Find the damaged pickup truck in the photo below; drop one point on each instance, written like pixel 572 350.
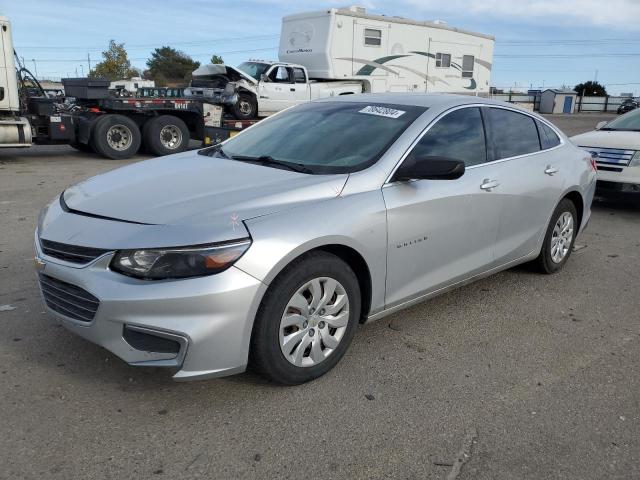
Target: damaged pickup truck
pixel 264 88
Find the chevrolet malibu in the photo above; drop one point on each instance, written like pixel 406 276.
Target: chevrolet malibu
pixel 268 249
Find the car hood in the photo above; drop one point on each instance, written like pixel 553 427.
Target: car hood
pixel 608 139
pixel 197 190
pixel 233 73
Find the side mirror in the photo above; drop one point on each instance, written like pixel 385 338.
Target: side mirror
pixel 429 168
pixel 601 125
pixel 264 78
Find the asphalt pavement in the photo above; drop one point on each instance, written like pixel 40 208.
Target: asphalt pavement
pixel 517 376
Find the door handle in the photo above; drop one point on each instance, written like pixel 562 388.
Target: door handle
pixel 550 170
pixel 292 89
pixel 489 184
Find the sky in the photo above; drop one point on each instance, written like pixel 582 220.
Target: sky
pixel 539 43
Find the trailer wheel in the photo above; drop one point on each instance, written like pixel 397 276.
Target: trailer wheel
pixel 246 107
pixel 116 137
pixel 165 135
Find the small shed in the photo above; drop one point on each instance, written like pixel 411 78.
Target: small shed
pixel 558 101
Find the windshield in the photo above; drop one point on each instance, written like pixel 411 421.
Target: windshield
pixel 629 122
pixel 324 137
pixel 254 69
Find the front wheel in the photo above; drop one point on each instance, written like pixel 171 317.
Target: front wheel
pixel 559 239
pixel 246 107
pixel 306 321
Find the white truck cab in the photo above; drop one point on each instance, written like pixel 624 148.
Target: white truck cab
pixel 265 88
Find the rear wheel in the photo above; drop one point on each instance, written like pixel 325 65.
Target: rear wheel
pixel 306 321
pixel 559 239
pixel 165 135
pixel 116 137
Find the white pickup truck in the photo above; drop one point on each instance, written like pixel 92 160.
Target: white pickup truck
pixel 265 88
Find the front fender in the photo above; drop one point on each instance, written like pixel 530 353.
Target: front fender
pixel 357 221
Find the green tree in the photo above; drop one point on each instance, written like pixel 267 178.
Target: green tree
pixel 591 89
pixel 216 59
pixel 170 64
pixel 115 64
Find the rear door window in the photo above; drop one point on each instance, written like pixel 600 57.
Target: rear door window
pixel 299 75
pixel 458 135
pixel 511 133
pixel 548 138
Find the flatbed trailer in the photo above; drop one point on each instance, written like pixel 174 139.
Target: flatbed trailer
pixel 118 127
pixel 91 118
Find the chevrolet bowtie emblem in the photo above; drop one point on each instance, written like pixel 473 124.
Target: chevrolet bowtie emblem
pixel 39 263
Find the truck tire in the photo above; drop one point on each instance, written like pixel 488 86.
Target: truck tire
pixel 116 137
pixel 165 135
pixel 246 107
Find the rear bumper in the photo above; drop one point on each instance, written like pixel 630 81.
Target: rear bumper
pixel 208 318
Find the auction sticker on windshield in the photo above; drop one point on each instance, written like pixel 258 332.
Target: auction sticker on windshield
pixel 382 111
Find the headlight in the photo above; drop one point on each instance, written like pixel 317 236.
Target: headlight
pixel 635 160
pixel 181 262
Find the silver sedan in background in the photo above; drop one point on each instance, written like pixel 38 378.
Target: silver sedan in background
pixel 267 250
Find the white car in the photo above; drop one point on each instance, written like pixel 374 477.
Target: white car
pixel 617 145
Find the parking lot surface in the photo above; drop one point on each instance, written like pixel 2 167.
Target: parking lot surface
pixel 518 376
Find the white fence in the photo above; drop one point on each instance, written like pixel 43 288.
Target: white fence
pixel 599 104
pixel 583 104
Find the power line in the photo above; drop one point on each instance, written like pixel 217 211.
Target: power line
pixel 229 52
pixel 567 55
pixel 154 45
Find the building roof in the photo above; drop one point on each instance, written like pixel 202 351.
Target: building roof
pixel 562 92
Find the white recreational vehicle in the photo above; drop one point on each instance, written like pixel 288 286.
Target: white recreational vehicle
pixel 388 54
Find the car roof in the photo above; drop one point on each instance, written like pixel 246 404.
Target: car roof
pixel 429 100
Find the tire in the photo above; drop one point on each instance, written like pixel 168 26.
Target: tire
pixel 116 137
pixel 551 260
pixel 82 147
pixel 245 108
pixel 267 350
pixel 165 135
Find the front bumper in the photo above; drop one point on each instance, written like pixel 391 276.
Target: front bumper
pixel 630 175
pixel 209 317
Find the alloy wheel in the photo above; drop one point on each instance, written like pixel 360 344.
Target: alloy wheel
pixel 561 237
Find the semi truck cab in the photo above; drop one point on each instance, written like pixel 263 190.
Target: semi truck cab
pixel 15 131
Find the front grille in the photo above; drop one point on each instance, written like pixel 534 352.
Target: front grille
pixel 609 169
pixel 612 156
pixel 68 300
pixel 70 253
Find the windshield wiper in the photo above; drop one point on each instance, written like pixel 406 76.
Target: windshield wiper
pixel 269 160
pixel 211 151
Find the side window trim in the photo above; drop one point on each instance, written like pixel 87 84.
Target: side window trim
pixel 490 160
pixel 540 134
pixel 488 145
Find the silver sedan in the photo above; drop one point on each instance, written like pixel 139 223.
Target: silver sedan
pixel 268 250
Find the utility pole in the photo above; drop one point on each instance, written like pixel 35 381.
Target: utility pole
pixel 81 70
pixel 35 67
pixel 89 61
